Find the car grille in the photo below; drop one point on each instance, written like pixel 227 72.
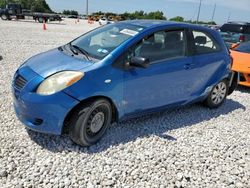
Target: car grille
pixel 19 82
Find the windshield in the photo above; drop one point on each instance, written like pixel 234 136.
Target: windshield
pixel 102 41
pixel 244 47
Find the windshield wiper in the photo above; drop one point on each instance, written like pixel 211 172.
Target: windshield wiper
pixel 73 50
pixel 82 51
pixel 60 48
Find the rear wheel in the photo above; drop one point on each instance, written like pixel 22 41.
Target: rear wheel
pixel 90 122
pixel 218 95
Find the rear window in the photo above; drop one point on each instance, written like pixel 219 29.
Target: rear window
pixel 235 28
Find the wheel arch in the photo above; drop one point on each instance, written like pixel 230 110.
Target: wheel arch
pixel 67 120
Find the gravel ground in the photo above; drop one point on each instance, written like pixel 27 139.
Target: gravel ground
pixel 186 147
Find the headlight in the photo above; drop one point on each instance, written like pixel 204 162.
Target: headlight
pixel 58 82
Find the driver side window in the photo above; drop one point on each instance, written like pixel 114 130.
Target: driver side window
pixel 159 46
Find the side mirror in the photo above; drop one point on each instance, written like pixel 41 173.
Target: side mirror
pixel 140 62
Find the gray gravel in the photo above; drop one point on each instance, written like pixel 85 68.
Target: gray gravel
pixel 186 147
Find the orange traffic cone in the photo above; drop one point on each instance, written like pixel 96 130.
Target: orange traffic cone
pixel 44 25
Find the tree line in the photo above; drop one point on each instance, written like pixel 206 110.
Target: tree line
pixel 158 15
pixel 181 19
pixel 70 12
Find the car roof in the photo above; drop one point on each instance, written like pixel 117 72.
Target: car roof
pixel 239 23
pixel 157 23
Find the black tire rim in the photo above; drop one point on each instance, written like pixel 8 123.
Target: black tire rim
pixel 97 120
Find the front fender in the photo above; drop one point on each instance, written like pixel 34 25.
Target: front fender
pixel 103 81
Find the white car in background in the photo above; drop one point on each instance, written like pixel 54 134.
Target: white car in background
pixel 105 21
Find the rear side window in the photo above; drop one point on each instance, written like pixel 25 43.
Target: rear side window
pixel 204 43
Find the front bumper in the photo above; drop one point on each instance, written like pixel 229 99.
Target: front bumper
pixel 244 70
pixel 44 114
pixel 245 79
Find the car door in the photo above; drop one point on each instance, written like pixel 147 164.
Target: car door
pixel 209 59
pixel 166 80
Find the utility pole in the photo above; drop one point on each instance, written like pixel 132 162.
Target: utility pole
pixel 229 15
pixel 213 13
pixel 198 16
pixel 87 8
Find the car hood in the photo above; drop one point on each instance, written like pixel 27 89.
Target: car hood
pixel 48 63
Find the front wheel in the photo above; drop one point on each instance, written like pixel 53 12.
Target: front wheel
pixel 40 20
pixel 4 17
pixel 218 95
pixel 90 122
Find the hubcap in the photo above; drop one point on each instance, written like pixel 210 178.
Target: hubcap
pixel 219 93
pixel 97 122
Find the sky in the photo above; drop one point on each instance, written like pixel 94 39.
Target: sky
pixel 235 10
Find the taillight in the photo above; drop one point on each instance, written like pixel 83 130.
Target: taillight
pixel 242 38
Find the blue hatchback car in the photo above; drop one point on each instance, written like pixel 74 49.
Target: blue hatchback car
pixel 120 71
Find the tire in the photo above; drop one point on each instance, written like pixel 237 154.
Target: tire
pixel 217 95
pixel 89 122
pixel 40 20
pixel 4 17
